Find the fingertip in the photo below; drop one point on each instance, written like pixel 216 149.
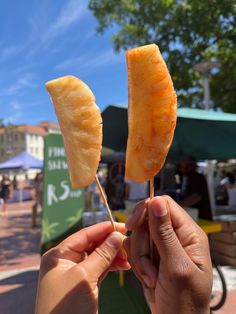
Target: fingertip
pixel 115 240
pixel 137 217
pixel 158 206
pixel 120 227
pixel 128 224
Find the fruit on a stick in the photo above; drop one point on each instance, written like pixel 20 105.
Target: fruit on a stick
pixel 81 126
pixel 151 113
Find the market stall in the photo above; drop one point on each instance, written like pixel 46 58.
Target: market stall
pixel 20 165
pixel 206 135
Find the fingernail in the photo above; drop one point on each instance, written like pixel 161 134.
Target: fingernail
pixel 158 207
pixel 115 240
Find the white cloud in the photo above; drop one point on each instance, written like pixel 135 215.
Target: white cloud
pixel 15 105
pixel 90 34
pixel 69 14
pixel 90 61
pixel 14 118
pixel 17 108
pixel 16 112
pixel 44 32
pixel 10 51
pixel 23 82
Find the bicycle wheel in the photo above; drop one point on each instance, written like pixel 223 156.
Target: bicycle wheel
pixel 219 293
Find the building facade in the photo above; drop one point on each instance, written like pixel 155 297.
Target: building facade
pixel 29 138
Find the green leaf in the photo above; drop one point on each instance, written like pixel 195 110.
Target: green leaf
pixel 187 32
pixel 72 220
pixel 48 229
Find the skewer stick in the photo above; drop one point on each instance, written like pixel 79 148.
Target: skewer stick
pixel 105 202
pixel 151 196
pixel 151 187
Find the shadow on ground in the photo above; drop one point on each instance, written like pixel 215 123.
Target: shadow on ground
pixel 20 300
pixel 20 243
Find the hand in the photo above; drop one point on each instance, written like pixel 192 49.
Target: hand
pixel 178 278
pixel 70 273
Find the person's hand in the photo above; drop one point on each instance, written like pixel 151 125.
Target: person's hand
pixel 70 273
pixel 178 278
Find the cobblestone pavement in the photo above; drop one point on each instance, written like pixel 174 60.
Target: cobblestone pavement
pixel 19 264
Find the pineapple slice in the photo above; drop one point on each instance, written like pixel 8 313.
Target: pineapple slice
pixel 151 113
pixel 81 126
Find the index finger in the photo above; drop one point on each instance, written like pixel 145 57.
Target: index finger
pixel 82 240
pixel 138 216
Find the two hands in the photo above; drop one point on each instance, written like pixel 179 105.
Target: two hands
pixel 177 279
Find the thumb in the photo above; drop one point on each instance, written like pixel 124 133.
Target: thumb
pixel 102 257
pixel 161 230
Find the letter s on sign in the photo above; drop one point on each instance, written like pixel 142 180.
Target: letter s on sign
pixel 66 192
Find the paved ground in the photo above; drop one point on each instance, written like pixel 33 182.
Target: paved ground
pixel 19 260
pixel 19 264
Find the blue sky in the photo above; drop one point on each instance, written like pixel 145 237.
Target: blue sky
pixel 42 40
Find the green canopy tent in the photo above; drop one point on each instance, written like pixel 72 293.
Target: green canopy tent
pixel 115 128
pixel 206 135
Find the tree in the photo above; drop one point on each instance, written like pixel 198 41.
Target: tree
pixel 2 125
pixel 187 32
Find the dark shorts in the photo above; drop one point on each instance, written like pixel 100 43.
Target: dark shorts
pixel 5 195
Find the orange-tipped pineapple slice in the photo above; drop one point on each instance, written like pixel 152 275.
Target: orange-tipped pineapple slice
pixel 151 113
pixel 81 126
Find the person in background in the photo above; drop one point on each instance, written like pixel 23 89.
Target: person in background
pixel 101 178
pixel 115 189
pixel 224 179
pixel 38 184
pixel 15 183
pixel 175 281
pixel 115 185
pixel 194 189
pixel 5 193
pixel 231 189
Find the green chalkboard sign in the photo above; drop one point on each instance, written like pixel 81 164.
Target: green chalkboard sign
pixel 62 205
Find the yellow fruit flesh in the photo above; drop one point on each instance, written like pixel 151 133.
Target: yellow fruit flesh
pixel 81 126
pixel 151 113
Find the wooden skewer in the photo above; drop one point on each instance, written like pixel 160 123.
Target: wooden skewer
pixel 151 196
pixel 151 187
pixel 105 202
